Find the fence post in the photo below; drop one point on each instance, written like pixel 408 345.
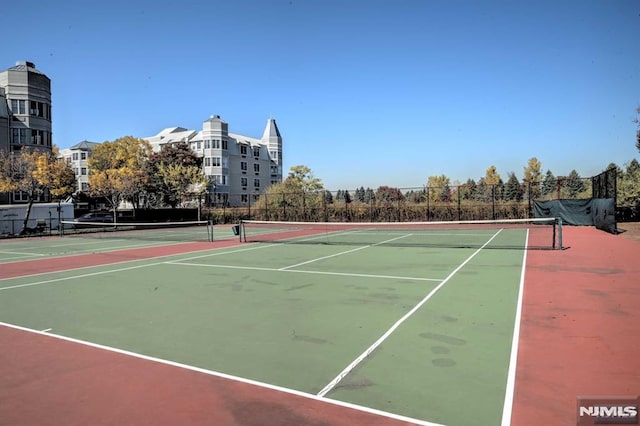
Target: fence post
pixel 529 199
pixel 493 202
pixel 459 210
pixel 428 203
pixel 284 207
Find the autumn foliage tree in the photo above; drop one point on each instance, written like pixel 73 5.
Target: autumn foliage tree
pixel 35 174
pixel 117 169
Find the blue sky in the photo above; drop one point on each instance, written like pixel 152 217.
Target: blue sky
pixel 365 93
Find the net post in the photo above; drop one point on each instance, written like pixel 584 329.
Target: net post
pixel 559 233
pixel 210 230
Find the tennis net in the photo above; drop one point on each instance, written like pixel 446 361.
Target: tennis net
pixel 187 231
pixel 544 233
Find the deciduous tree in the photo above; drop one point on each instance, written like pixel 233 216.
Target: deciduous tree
pixel 32 173
pixel 173 173
pixel 533 176
pixel 117 169
pixel 439 188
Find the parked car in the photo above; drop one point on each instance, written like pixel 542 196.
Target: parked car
pixel 94 217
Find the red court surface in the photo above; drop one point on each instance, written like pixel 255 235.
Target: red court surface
pixel 580 326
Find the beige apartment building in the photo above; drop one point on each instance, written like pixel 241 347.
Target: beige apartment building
pixel 240 167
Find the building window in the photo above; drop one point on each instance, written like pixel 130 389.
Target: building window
pixel 33 108
pixel 256 183
pixel 243 149
pixel 38 137
pixel 244 198
pixel 84 186
pixel 243 181
pixel 256 151
pixel 75 156
pixel 199 145
pixel 215 161
pixel 224 144
pixel 20 196
pixel 256 168
pixel 243 165
pixel 83 155
pixel 19 136
pixel 220 179
pixel 18 107
pixel 207 161
pixel 83 171
pixel 215 144
pixel 207 144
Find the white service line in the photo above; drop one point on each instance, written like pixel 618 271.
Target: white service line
pixel 226 376
pixel 346 274
pixel 344 252
pixel 21 254
pixel 382 338
pixel 211 252
pixel 513 360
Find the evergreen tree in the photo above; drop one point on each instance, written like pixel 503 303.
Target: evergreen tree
pixel 369 196
pixel 513 189
pixel 574 184
pixel 549 184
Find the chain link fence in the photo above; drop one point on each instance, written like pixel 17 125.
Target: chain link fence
pixel 462 202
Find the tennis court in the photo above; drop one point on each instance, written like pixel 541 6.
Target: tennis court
pixel 397 323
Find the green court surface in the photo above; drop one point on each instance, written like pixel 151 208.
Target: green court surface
pixel 438 322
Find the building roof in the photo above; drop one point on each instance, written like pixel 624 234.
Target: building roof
pixel 84 146
pixel 245 139
pixel 271 129
pixel 25 66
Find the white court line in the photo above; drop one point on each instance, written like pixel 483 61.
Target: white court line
pixel 21 254
pixel 513 359
pixel 216 251
pixel 382 338
pixel 46 330
pixel 225 376
pixel 346 274
pixel 343 252
pixel 120 269
pixel 92 274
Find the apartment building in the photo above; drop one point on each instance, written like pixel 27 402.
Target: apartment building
pixel 240 167
pixel 76 157
pixel 25 113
